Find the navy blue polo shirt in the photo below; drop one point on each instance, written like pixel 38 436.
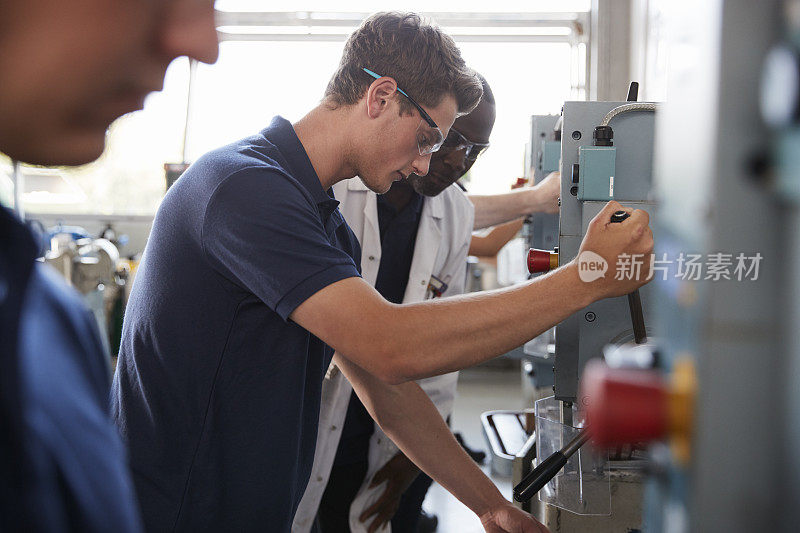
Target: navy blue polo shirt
pixel 74 468
pixel 217 392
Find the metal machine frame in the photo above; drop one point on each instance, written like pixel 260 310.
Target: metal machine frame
pixel 583 335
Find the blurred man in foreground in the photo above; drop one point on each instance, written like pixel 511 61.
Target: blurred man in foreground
pixel 69 69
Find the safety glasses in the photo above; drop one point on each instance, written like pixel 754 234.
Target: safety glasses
pixel 429 136
pixel 456 141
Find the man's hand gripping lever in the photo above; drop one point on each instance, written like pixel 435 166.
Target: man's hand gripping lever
pixel 618 238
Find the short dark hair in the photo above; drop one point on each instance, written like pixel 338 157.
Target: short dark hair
pixel 488 95
pixel 422 59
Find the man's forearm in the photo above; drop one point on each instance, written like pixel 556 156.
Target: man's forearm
pixel 406 414
pixel 494 209
pixel 491 244
pixel 400 343
pixel 433 338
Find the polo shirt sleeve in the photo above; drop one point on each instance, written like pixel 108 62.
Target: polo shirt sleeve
pixel 264 234
pixel 66 384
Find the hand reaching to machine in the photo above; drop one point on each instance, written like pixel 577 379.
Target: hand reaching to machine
pixel 509 519
pixel 548 191
pixel 398 474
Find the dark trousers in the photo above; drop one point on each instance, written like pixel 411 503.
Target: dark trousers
pixel 407 516
pixel 334 508
pixel 343 485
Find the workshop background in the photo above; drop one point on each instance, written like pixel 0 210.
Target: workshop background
pixel 712 159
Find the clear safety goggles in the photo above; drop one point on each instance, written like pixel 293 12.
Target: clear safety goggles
pixel 456 141
pixel 429 136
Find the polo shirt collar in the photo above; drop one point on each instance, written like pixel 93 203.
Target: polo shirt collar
pixel 18 250
pixel 281 133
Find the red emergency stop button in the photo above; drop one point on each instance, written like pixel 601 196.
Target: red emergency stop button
pixel 625 406
pixel 628 406
pixel 541 261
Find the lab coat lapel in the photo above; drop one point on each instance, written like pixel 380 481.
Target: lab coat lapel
pixel 429 236
pixel 362 207
pixel 371 247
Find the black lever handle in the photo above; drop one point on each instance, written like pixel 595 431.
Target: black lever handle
pixel 547 469
pixel 634 300
pixel 633 91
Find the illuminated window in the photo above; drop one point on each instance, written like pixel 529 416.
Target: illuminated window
pixel 279 63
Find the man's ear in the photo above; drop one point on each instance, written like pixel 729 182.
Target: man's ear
pixel 379 95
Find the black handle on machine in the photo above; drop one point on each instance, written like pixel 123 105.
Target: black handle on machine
pixel 633 91
pixel 634 300
pixel 547 469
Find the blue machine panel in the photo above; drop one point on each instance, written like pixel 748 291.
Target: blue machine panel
pixel 597 169
pixel 551 156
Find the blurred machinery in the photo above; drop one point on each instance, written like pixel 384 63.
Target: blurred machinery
pixel 93 267
pixel 717 195
pixel 723 453
pixel 87 264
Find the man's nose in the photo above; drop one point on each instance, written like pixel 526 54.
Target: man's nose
pixel 189 29
pixel 421 165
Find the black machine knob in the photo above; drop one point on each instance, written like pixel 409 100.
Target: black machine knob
pixel 619 216
pixel 633 91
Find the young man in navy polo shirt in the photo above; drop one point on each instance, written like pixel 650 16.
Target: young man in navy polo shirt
pixel 249 282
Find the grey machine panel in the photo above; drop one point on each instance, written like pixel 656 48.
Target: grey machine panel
pixel 541 230
pixel 543 159
pixel 583 335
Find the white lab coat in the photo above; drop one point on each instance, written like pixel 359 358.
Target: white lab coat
pixel 443 238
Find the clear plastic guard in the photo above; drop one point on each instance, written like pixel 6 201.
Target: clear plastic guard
pixel 583 486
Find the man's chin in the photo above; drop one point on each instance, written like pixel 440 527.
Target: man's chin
pixel 63 150
pixel 376 187
pixel 424 186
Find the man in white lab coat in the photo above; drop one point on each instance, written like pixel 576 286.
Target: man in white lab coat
pixel 414 242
